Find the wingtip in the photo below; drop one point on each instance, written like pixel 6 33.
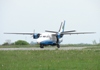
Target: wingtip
pixel 4 33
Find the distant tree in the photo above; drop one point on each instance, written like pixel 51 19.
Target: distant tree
pixel 32 43
pixel 5 43
pixel 12 44
pixel 21 42
pixel 8 41
pixel 94 42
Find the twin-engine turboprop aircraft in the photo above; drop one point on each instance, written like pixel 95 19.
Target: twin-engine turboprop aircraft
pixel 52 37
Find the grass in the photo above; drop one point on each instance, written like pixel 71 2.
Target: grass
pixel 50 60
pixel 94 47
pixel 37 45
pixel 19 46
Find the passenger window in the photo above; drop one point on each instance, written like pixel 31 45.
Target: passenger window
pixel 44 36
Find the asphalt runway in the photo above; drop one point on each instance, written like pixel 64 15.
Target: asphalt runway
pixel 49 48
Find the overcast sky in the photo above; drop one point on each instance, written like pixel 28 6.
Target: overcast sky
pixel 41 15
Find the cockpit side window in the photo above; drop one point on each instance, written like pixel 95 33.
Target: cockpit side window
pixel 44 36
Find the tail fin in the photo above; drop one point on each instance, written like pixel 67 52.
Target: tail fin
pixel 62 26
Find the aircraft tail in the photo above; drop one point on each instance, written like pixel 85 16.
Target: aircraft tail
pixel 62 26
pixel 61 29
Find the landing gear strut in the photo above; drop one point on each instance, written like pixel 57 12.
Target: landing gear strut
pixel 58 45
pixel 57 42
pixel 41 46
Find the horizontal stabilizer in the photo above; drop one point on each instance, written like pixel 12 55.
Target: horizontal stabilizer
pixel 68 31
pixel 57 32
pixel 51 31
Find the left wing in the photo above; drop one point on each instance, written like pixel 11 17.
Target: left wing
pixel 70 33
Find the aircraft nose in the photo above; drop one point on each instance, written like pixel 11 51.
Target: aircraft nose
pixel 38 42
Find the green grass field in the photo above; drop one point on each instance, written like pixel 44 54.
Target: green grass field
pixel 50 60
pixel 37 45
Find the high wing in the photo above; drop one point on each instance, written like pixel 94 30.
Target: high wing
pixel 21 33
pixel 68 33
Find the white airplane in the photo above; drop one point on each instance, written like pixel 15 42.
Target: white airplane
pixel 52 37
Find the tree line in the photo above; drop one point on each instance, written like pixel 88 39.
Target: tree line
pixel 23 42
pixel 19 42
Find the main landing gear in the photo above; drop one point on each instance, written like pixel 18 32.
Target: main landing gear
pixel 58 46
pixel 41 46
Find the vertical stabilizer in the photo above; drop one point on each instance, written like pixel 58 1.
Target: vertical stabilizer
pixel 62 26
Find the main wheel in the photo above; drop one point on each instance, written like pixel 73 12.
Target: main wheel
pixel 41 46
pixel 58 45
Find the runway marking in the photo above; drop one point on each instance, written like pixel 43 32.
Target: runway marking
pixel 53 48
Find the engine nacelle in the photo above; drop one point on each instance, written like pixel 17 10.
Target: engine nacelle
pixel 59 36
pixel 36 35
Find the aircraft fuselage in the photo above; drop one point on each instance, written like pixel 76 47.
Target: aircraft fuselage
pixel 47 39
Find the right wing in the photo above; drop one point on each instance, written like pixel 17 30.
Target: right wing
pixel 21 33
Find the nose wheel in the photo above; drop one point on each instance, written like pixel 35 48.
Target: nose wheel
pixel 41 46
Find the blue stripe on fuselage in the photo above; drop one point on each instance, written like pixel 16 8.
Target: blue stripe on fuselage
pixel 47 42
